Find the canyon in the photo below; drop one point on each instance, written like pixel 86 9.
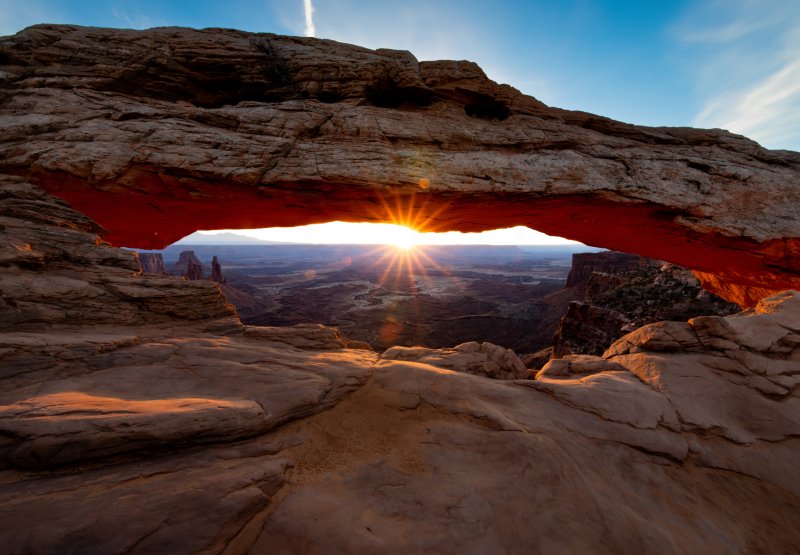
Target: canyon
pixel 433 296
pixel 138 414
pixel 440 296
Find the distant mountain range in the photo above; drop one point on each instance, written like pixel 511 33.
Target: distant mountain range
pixel 224 239
pixel 237 239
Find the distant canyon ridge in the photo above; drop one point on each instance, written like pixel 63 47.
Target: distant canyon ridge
pixel 542 302
pixel 237 130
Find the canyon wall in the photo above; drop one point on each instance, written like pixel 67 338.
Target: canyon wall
pixel 618 293
pixel 153 263
pixel 584 264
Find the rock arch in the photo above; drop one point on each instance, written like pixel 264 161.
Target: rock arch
pixel 156 133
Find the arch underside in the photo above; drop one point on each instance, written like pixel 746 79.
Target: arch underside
pixel 731 267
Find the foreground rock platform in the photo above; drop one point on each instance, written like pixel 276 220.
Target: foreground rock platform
pixel 236 130
pixel 137 415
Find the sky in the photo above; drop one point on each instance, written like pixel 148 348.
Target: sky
pixel 731 64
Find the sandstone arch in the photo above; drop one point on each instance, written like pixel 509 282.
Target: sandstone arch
pixel 155 133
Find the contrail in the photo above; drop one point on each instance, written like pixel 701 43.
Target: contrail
pixel 309 9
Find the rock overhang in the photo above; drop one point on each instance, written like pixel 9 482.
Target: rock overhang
pixel 151 132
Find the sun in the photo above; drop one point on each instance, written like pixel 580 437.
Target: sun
pixel 402 262
pixel 404 238
pixel 405 245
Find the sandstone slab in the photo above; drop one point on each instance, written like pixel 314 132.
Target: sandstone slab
pixel 483 359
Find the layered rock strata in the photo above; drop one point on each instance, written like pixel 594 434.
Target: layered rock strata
pixel 216 271
pixel 585 264
pixel 153 263
pixel 57 274
pixel 237 129
pixel 188 265
pixel 619 303
pixel 137 415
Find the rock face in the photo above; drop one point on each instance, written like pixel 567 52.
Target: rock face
pixel 45 245
pixel 482 359
pixel 216 271
pixel 194 271
pixel 137 415
pixel 153 263
pixel 584 264
pixel 586 328
pixel 618 303
pixel 236 129
pixel 189 266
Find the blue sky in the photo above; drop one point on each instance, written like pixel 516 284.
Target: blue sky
pixel 733 64
pixel 713 63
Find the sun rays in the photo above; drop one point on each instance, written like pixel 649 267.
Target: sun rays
pixel 405 243
pixel 405 238
pixel 405 259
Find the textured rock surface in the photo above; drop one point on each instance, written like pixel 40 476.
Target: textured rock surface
pixel 576 365
pixel 482 359
pixel 586 328
pixel 619 303
pixel 188 265
pixel 57 273
pixel 194 271
pixel 178 430
pixel 216 271
pixel 153 263
pixel 227 129
pixel 584 264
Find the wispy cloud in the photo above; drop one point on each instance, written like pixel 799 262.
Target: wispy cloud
pixel 748 68
pixel 768 111
pixel 123 17
pixel 135 21
pixel 308 9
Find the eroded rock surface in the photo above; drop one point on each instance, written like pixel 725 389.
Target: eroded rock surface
pixel 147 423
pixel 189 266
pixel 153 263
pixel 585 264
pixel 227 129
pixel 58 274
pixel 617 303
pixel 216 271
pixel 483 359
